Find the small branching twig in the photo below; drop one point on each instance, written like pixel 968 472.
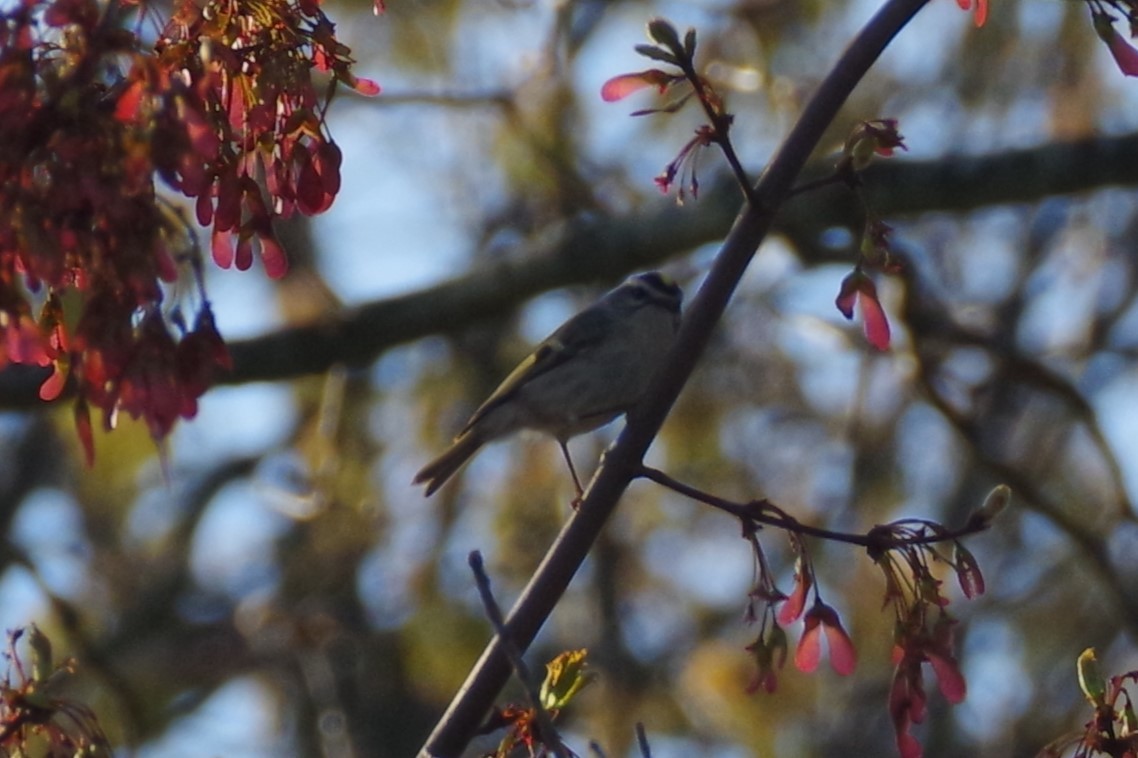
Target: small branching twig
pixel 710 100
pixel 904 551
pixel 670 50
pixel 758 513
pixel 642 741
pixel 547 731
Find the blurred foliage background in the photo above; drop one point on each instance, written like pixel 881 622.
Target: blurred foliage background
pixel 283 590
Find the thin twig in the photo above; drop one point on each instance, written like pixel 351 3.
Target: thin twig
pixel 766 513
pixel 549 735
pixel 642 741
pixel 721 123
pixel 1091 545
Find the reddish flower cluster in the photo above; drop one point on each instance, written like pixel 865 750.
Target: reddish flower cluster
pixel 868 139
pixel 669 49
pixel 907 698
pixel 769 650
pixel 565 676
pixel 247 91
pixel 86 243
pixel 1122 51
pixel 905 552
pixel 923 630
pixel 1113 729
pixel 857 287
pixel 821 620
pixel 685 164
pixel 1125 55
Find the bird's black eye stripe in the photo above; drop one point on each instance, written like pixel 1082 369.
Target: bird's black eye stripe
pixel 659 288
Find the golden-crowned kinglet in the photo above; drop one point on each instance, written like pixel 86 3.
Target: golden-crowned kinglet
pixel 593 368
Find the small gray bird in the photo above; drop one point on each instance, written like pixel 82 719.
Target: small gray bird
pixel 595 367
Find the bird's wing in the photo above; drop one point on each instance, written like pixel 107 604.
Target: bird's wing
pixel 574 336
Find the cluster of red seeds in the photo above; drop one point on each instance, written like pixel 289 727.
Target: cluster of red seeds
pixel 222 109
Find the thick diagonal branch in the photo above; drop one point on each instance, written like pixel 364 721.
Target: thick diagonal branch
pixel 622 462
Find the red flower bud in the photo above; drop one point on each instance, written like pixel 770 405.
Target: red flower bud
pixel 822 619
pixel 859 288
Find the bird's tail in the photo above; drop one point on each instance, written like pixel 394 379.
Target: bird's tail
pixel 435 473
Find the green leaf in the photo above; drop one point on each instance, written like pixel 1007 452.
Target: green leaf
pixel 1090 678
pixel 565 676
pixel 995 503
pixel 41 654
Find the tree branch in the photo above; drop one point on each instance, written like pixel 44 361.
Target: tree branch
pixel 758 513
pixel 604 249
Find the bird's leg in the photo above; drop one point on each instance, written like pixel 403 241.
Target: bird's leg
pixel 572 470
